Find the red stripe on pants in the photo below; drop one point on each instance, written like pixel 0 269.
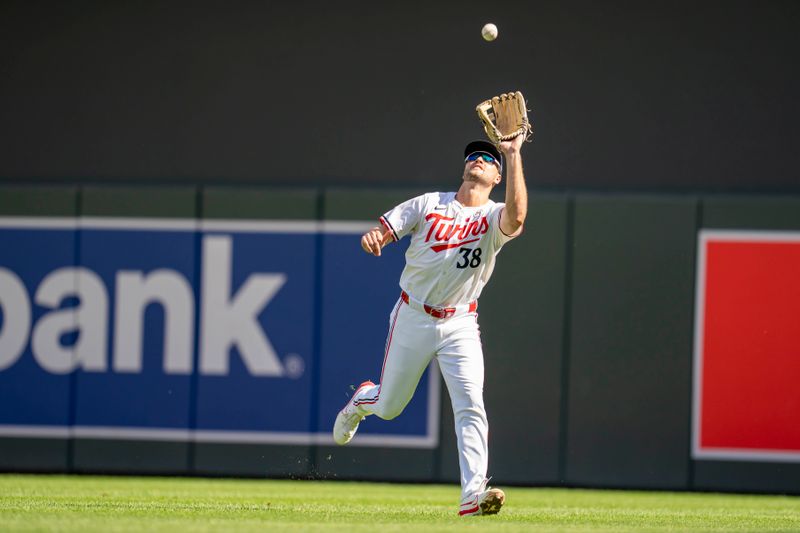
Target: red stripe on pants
pixel 389 343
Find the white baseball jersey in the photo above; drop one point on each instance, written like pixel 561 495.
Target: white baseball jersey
pixel 453 247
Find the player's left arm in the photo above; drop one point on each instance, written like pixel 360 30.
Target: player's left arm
pixel 516 209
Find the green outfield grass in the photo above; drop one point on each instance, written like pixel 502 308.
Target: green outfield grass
pixel 178 505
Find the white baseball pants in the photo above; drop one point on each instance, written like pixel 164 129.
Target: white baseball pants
pixel 414 339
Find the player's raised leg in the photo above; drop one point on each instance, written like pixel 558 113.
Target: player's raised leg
pixel 410 346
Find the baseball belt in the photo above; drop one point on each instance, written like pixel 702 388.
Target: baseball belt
pixel 439 312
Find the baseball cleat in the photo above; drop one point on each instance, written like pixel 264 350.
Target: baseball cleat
pixel 487 502
pixel 348 419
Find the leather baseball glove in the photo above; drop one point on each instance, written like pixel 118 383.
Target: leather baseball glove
pixel 504 117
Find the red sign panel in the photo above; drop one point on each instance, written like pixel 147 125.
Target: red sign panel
pixel 746 402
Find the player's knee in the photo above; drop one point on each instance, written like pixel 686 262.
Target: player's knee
pixel 475 413
pixel 389 411
pixel 391 415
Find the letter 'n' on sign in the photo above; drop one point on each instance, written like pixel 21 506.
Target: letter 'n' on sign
pixel 135 290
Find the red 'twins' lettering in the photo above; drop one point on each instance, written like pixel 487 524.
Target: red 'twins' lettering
pixel 444 229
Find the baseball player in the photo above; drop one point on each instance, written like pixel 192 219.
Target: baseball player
pixel 455 237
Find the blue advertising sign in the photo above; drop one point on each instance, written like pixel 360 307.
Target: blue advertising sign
pixel 359 293
pixel 142 377
pixel 35 360
pixel 264 384
pixel 213 330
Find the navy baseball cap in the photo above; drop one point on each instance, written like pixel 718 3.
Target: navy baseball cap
pixel 484 146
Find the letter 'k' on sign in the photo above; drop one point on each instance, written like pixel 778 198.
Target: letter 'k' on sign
pixel 232 320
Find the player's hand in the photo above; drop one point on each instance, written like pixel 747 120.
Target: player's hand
pixel 373 241
pixel 512 146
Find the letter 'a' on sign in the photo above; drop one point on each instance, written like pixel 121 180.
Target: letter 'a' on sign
pixel 746 402
pixel 89 318
pixel 16 322
pixel 228 320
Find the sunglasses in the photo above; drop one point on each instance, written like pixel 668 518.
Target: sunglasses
pixel 484 156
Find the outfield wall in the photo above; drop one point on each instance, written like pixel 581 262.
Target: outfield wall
pixel 643 341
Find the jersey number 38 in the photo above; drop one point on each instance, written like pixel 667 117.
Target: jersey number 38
pixel 470 257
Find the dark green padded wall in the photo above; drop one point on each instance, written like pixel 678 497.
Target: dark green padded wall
pixel 255 459
pixel 54 201
pixel 156 202
pixel 144 456
pixel 630 342
pixel 23 454
pixel 364 204
pixel 627 355
pixel 29 454
pixel 130 456
pixel 750 213
pixel 260 203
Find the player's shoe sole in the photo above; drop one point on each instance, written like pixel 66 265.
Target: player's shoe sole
pixel 494 500
pixel 488 502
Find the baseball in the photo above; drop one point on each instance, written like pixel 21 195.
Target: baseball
pixel 489 32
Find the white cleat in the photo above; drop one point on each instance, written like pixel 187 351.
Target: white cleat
pixel 348 419
pixel 487 502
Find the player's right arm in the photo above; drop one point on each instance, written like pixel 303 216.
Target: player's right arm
pixel 516 207
pixel 375 239
pixel 397 223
